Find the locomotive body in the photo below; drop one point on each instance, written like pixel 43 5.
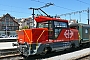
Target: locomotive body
pixel 51 34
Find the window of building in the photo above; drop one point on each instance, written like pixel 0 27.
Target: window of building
pixel 7 23
pixel 10 28
pixel 15 28
pixel 11 23
pixel 7 19
pixel 3 23
pixel 3 28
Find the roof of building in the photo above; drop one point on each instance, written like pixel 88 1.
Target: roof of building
pixel 10 17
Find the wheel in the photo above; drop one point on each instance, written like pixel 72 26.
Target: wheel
pixel 45 50
pixel 72 45
pixel 24 57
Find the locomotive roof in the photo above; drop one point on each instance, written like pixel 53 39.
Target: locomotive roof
pixel 45 18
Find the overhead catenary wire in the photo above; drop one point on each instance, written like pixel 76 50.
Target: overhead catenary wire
pixel 43 3
pixel 73 12
pixel 12 6
pixel 14 11
pixel 17 12
pixel 67 9
pixel 63 8
pixel 53 5
pixel 26 8
pixel 83 2
pixel 87 10
pixel 39 12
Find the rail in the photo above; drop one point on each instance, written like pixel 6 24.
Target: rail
pixel 6 47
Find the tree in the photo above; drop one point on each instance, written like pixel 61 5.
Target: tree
pixel 25 27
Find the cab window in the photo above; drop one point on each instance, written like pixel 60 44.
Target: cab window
pixel 60 24
pixel 58 27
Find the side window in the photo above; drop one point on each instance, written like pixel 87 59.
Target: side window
pixel 57 32
pixel 43 25
pixel 58 27
pixel 86 31
pixel 63 24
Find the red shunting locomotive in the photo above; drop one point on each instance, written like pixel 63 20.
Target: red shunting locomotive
pixel 50 34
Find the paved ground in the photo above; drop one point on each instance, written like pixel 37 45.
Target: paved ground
pixel 7 45
pixel 71 56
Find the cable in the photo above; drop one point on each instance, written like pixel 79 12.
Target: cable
pixel 19 15
pixel 14 11
pixel 38 1
pixel 12 6
pixel 54 5
pixel 73 13
pixel 64 7
pixel 39 12
pixel 83 2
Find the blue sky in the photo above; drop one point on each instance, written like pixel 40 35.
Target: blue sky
pixel 19 8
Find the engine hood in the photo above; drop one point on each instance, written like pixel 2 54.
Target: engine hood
pixel 36 35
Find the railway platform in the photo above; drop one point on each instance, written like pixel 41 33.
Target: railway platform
pixel 71 56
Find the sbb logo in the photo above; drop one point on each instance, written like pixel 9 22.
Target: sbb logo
pixel 68 34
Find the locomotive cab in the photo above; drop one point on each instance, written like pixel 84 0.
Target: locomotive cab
pixel 48 25
pixel 53 25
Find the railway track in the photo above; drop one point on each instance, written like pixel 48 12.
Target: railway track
pixel 16 56
pixel 10 54
pixel 87 57
pixel 7 50
pixel 11 57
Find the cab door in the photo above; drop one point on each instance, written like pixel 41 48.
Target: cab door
pixel 58 35
pixel 50 30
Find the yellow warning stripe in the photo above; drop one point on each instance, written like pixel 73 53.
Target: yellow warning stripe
pixel 39 37
pixel 28 38
pixel 79 37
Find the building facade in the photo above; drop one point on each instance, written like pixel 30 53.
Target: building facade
pixel 27 22
pixel 8 25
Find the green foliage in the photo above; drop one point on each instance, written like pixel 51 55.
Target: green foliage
pixel 25 27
